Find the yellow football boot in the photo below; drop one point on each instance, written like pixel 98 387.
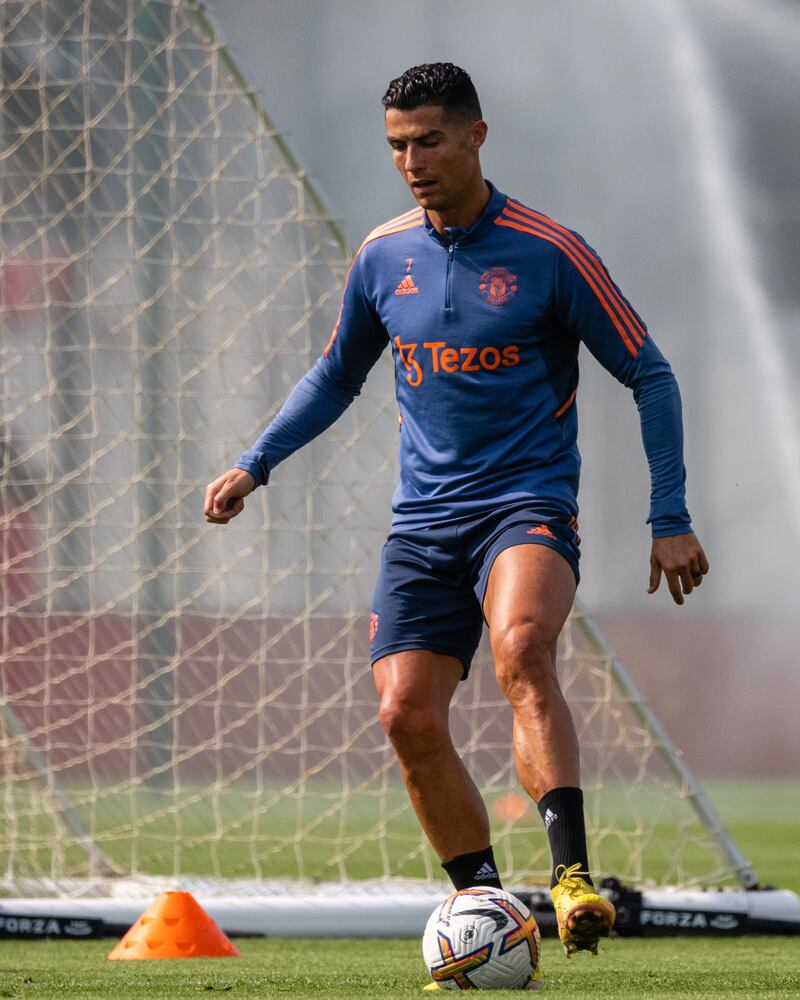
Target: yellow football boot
pixel 583 916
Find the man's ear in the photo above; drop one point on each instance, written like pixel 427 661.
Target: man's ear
pixel 478 132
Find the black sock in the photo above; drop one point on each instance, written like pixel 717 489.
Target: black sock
pixel 477 868
pixel 562 812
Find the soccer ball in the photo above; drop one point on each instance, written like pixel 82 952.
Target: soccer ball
pixel 481 938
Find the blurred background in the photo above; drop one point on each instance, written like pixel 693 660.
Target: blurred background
pixel 668 135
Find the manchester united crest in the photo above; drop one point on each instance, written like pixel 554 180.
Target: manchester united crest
pixel 498 285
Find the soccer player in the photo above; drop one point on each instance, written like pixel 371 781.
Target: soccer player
pixel 485 303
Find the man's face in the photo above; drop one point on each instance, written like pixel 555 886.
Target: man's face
pixel 437 155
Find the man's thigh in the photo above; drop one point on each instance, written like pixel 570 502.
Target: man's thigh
pixel 529 585
pixel 424 599
pixel 418 678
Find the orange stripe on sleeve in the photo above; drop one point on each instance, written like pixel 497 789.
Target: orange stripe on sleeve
pixel 636 329
pixel 414 216
pixel 534 230
pixel 409 220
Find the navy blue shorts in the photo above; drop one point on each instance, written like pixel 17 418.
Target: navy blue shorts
pixel 432 580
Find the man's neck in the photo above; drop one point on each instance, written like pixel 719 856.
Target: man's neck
pixel 466 213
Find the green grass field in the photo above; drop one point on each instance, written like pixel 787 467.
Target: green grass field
pixel 629 968
pixel 380 970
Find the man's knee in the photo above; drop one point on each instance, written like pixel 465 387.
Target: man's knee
pixel 414 730
pixel 524 656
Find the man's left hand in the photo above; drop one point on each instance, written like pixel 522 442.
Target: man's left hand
pixel 682 561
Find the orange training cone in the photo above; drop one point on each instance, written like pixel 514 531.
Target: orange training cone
pixel 175 925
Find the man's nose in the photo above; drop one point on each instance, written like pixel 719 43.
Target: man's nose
pixel 414 159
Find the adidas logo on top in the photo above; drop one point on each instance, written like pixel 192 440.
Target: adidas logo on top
pixel 549 818
pixel 485 871
pixel 407 287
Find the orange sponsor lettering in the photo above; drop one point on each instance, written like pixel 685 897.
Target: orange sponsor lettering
pixel 468 364
pixel 414 376
pixel 488 352
pixel 433 347
pixel 450 360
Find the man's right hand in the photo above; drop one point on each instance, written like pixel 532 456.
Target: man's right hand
pixel 225 496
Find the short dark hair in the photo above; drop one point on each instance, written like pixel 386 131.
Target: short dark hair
pixel 441 84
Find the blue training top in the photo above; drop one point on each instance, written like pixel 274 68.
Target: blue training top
pixel 485 326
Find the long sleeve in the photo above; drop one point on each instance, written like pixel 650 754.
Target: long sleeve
pixel 592 308
pixel 325 392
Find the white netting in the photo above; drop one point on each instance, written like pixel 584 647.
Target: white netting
pixel 178 700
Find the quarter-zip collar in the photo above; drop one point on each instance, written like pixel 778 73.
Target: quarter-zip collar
pixel 455 235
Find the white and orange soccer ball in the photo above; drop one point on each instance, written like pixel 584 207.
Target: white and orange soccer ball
pixel 483 939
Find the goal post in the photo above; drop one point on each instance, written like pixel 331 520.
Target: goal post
pixel 681 773
pixel 183 705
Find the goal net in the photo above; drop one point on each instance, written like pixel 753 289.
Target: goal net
pixel 182 702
